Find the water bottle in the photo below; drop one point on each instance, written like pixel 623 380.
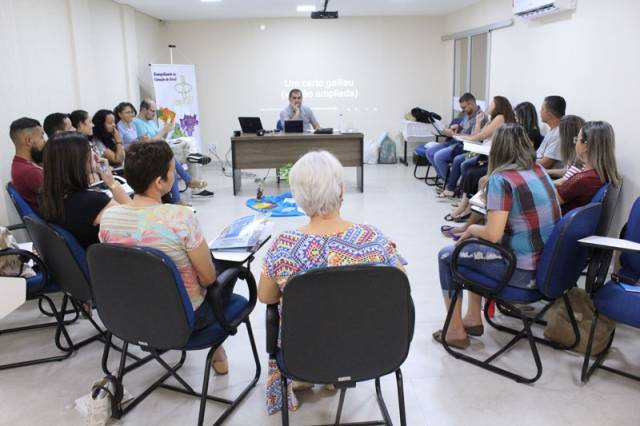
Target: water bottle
pixel 341 123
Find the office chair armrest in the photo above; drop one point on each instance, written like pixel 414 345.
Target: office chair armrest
pixel 273 327
pixel 16 227
pixel 26 256
pixel 441 138
pixel 216 293
pixel 480 288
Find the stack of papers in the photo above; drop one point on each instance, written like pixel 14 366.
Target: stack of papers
pixel 477 203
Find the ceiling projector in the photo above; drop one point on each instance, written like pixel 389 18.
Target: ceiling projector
pixel 323 14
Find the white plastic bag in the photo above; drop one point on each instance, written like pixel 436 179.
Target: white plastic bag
pixel 371 151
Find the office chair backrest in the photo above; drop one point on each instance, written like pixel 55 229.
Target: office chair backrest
pixel 22 207
pixel 563 258
pixel 601 193
pixel 609 202
pixel 63 255
pixel 630 262
pixel 346 324
pixel 140 295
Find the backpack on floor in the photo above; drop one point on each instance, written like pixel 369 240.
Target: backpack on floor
pixel 559 329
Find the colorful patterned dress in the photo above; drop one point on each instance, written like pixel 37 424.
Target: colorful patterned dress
pixel 295 252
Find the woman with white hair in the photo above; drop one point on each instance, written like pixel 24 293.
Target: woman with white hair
pixel 317 186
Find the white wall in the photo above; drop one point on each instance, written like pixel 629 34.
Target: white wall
pixel 395 64
pixel 589 57
pixel 60 55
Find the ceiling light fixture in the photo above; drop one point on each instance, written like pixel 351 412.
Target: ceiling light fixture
pixel 306 8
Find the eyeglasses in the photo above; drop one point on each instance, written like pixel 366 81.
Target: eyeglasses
pixel 576 140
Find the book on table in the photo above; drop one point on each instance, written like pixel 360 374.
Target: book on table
pixel 245 234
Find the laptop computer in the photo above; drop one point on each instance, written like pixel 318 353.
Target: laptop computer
pixel 293 126
pixel 250 124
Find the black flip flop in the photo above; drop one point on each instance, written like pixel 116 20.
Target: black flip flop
pixel 461 219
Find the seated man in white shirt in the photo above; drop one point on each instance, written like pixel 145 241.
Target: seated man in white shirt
pixel 296 111
pixel 549 154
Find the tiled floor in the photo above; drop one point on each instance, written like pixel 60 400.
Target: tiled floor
pixel 439 389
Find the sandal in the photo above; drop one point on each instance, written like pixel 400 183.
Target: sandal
pixel 197 184
pixel 461 219
pixel 458 344
pixel 444 195
pixel 450 218
pixel 220 366
pixel 474 330
pixel 448 231
pixel 301 386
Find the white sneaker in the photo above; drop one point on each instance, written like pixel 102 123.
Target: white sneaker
pixel 100 403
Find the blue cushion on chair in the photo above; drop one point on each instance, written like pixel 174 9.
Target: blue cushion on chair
pixel 512 294
pixel 34 282
pixel 618 304
pixel 421 151
pixel 520 295
pixel 204 338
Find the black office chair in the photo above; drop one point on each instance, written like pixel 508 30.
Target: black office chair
pixel 341 326
pixel 141 299
pixel 40 287
pixel 66 263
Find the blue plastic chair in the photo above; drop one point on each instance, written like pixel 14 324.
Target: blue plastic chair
pixel 558 271
pixel 141 299
pixel 619 298
pixel 22 207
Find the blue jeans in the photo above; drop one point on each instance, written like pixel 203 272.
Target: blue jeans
pixel 459 167
pixel 442 158
pixel 431 150
pixel 175 189
pixel 484 260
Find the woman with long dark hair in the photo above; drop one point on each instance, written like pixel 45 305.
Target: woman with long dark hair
pixel 65 198
pixel 527 117
pixel 522 210
pixel 107 140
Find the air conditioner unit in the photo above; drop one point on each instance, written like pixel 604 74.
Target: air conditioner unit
pixel 532 9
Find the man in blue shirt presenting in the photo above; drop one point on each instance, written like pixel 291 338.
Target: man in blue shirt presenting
pixel 146 124
pixel 296 111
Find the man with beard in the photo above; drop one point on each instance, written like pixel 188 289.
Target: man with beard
pixel 26 175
